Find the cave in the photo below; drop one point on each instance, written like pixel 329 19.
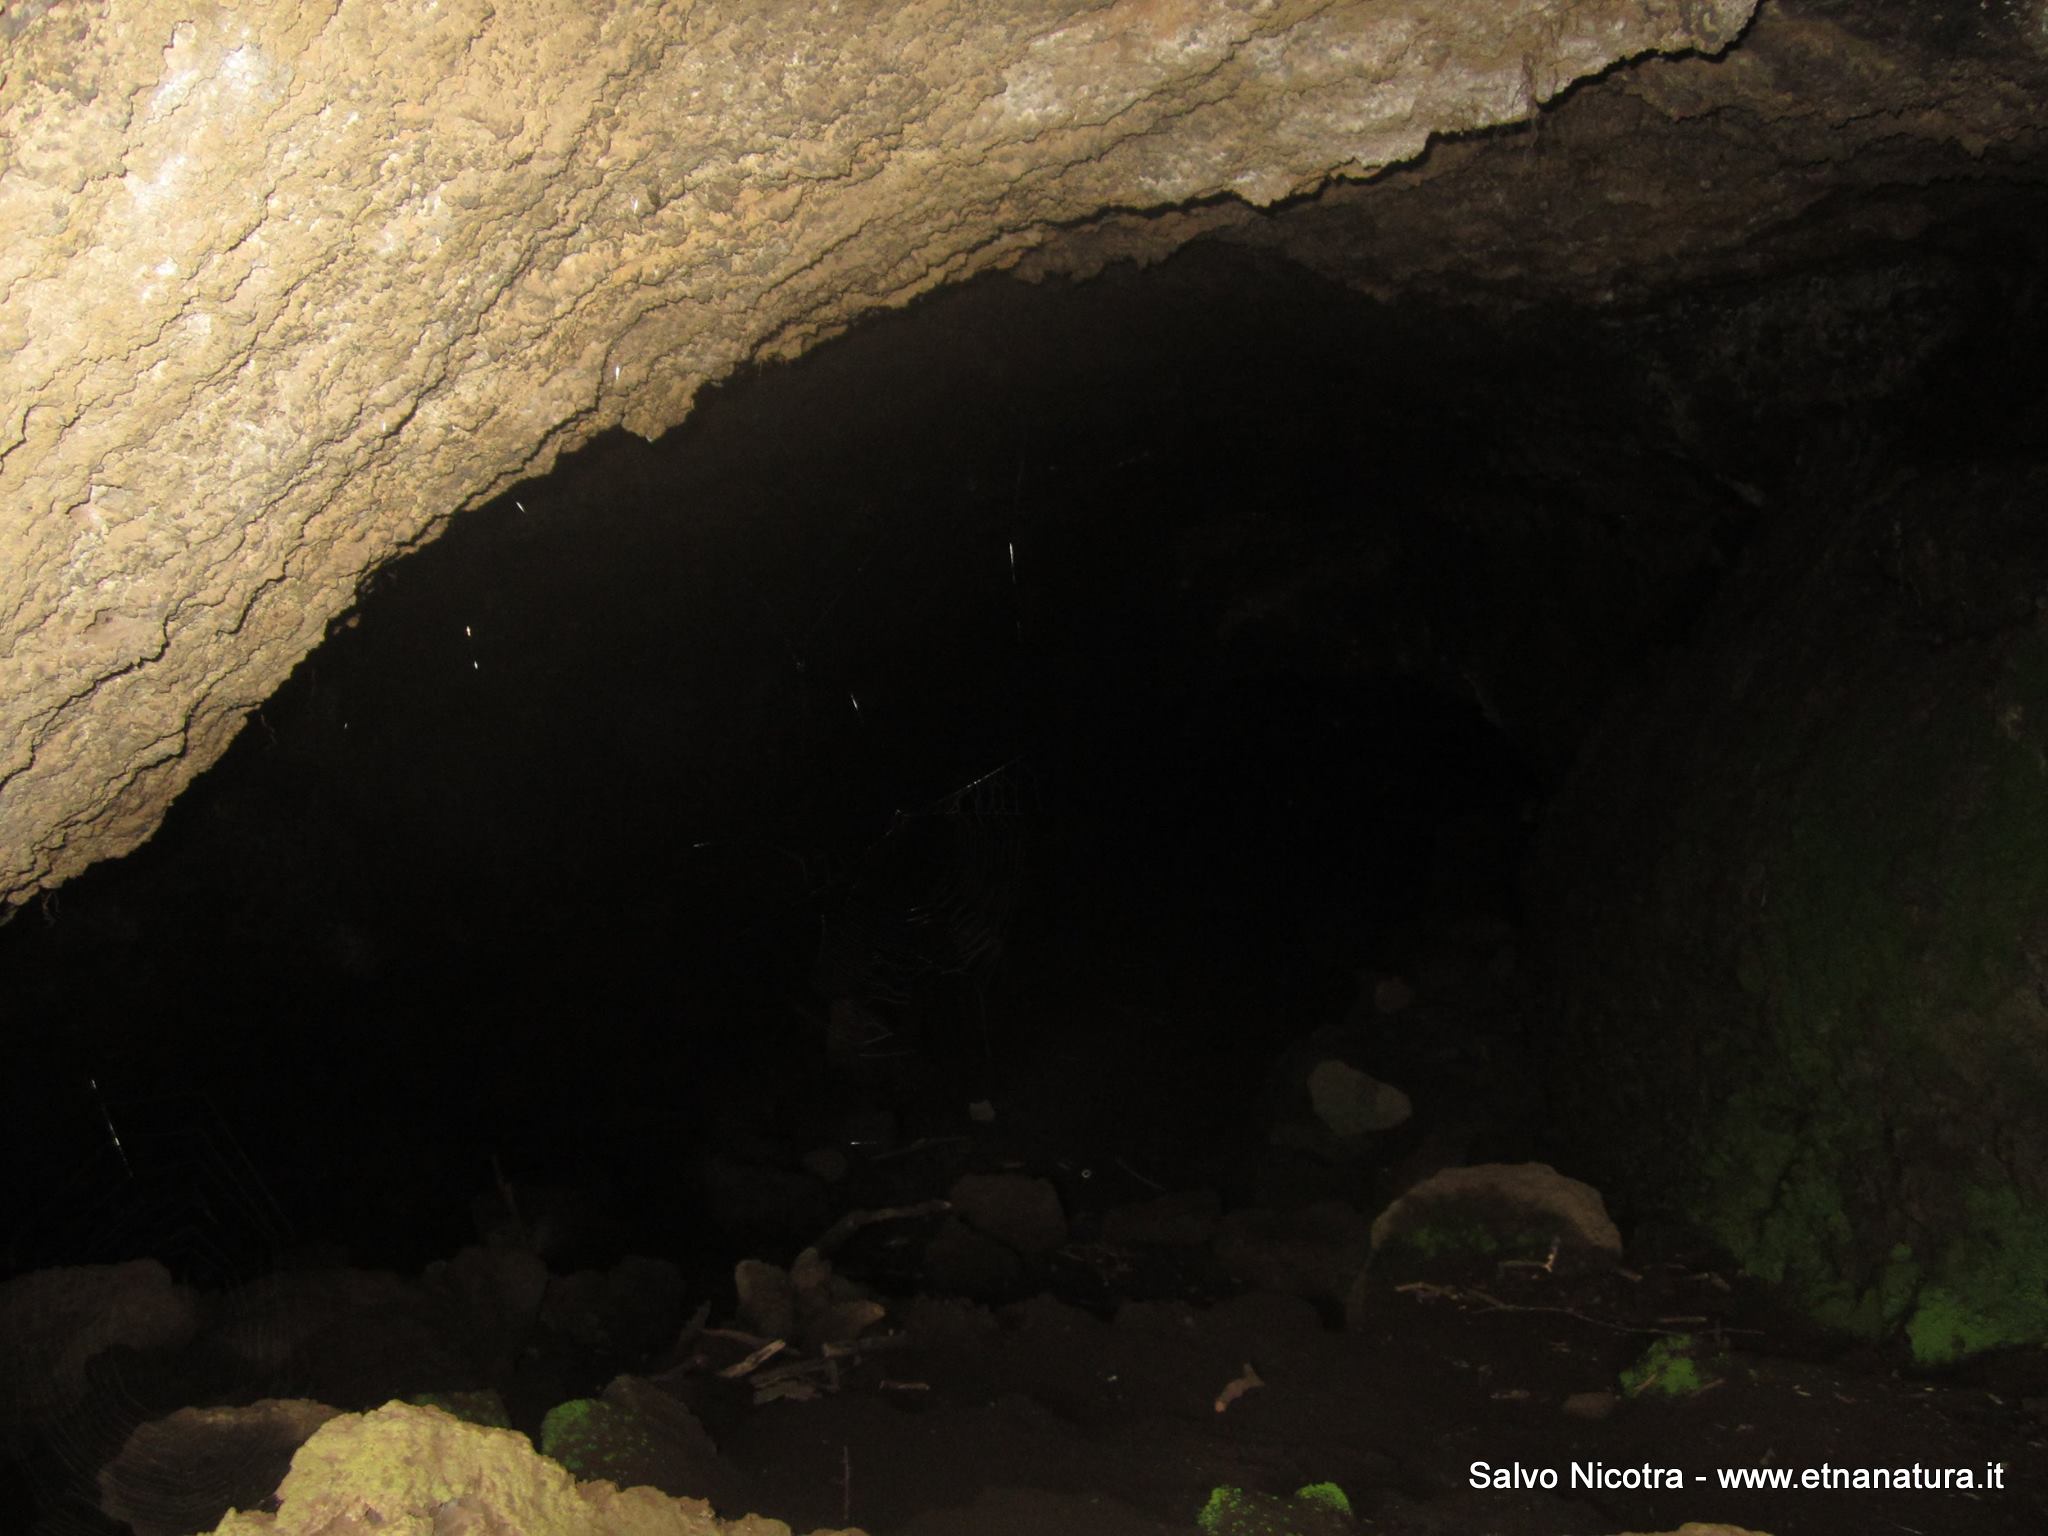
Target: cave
pixel 1356 848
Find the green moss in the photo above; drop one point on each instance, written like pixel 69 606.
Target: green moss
pixel 1327 1495
pixel 1320 1509
pixel 1880 979
pixel 572 1433
pixel 594 1439
pixel 1991 1290
pixel 1670 1368
pixel 1225 1512
pixel 1436 1239
pixel 1449 1236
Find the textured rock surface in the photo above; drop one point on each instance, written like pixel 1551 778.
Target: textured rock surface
pixel 285 285
pixel 1517 1198
pixel 1834 128
pixel 412 1471
pixel 183 1472
pixel 1822 1032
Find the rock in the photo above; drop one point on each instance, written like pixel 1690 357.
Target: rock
pixel 842 1321
pixel 767 1300
pixel 810 1303
pixel 408 1471
pixel 185 1471
pixel 1498 1208
pixel 1354 1103
pixel 1021 1212
pixel 53 1321
pixel 1320 1509
pixel 1591 1406
pixel 636 1435
pixel 1185 1219
pixel 1320 1102
pixel 908 147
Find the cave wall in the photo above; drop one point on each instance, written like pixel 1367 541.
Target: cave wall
pixel 1798 906
pixel 286 285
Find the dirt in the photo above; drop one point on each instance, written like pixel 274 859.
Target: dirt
pixel 1086 1400
pixel 1043 1414
pixel 1191 1329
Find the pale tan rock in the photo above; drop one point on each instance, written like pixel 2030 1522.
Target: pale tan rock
pixel 1354 1103
pixel 407 1471
pixel 1570 1211
pixel 285 287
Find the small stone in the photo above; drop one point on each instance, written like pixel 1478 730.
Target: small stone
pixel 767 1299
pixel 1591 1406
pixel 1022 1212
pixel 1355 1103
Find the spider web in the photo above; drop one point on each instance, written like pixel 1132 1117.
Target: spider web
pixel 932 902
pixel 106 1176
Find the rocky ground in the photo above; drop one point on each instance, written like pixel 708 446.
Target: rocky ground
pixel 1077 1311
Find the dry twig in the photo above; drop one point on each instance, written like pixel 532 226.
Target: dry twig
pixel 1237 1387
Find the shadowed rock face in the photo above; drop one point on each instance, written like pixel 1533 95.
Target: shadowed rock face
pixel 286 286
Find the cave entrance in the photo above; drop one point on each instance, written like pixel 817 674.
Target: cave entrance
pixel 1072 753
pixel 1150 628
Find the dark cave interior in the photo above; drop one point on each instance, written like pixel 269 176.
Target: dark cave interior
pixel 530 860
pixel 994 741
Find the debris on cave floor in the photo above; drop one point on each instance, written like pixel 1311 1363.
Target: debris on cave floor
pixel 1492 1342
pixel 1105 1306
pixel 1526 1369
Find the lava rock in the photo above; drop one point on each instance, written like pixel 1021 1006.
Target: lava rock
pixel 1020 1212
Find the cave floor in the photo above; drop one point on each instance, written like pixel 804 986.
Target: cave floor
pixel 1089 1406
pixel 1045 1416
pixel 1080 1391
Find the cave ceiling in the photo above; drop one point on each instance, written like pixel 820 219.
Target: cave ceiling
pixel 286 287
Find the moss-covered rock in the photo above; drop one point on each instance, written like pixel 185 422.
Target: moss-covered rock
pixel 413 1471
pixel 1320 1509
pixel 1799 896
pixel 1677 1366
